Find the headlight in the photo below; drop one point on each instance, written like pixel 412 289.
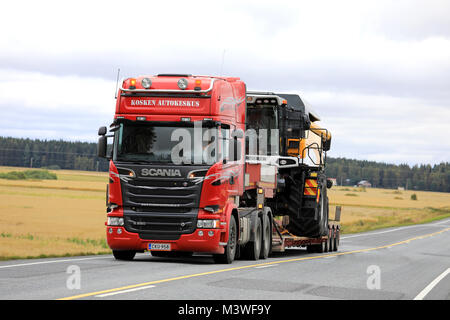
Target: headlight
pixel 212 209
pixel 208 224
pixel 115 221
pixel 197 174
pixel 182 83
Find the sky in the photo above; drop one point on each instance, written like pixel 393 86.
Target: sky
pixel 377 72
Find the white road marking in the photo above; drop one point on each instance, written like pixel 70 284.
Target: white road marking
pixel 51 261
pixel 430 287
pixel 268 266
pixel 375 233
pixel 123 291
pixel 445 221
pixel 396 229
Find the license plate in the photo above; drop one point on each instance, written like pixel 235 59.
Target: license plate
pixel 159 246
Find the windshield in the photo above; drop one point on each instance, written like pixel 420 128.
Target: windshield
pixel 263 117
pixel 169 143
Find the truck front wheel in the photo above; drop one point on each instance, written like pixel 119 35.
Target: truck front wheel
pixel 124 254
pixel 230 250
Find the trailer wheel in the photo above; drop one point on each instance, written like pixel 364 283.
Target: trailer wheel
pixel 336 240
pixel 230 249
pixel 126 255
pixel 322 247
pixel 252 249
pixel 266 241
pixel 331 240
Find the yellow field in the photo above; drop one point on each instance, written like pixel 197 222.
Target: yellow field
pixel 66 216
pixel 370 208
pixel 53 217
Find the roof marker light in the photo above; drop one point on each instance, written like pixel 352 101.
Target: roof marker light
pixel 182 83
pixel 132 82
pixel 198 84
pixel 146 83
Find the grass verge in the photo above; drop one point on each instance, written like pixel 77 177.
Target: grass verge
pixel 389 217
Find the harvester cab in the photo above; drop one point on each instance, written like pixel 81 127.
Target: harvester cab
pixel 291 127
pixel 301 198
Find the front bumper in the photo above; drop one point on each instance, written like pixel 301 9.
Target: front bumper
pixel 192 242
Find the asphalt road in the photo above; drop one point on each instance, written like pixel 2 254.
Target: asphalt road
pixel 400 263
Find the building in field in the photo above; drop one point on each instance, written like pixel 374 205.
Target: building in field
pixel 364 183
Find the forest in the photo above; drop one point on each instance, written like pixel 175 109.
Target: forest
pixel 59 154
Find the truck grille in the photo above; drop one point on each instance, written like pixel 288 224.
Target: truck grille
pixel 160 226
pixel 160 194
pixel 160 209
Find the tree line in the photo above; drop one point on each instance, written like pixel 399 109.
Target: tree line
pixel 382 175
pixel 59 154
pixel 50 154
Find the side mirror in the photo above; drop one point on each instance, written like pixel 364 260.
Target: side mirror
pixel 306 122
pixel 101 146
pixel 102 131
pixel 237 149
pixel 329 184
pixel 326 145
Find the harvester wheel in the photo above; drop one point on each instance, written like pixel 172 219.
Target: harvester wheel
pixel 307 225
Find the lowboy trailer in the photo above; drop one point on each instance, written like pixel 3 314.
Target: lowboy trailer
pixel 198 164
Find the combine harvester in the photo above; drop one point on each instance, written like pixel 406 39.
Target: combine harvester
pixel 184 177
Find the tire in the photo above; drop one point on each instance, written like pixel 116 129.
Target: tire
pixel 126 255
pixel 307 225
pixel 312 248
pixel 252 249
pixel 336 240
pixel 266 241
pixel 230 249
pixel 331 241
pixel 323 247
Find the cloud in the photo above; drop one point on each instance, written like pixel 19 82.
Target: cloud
pixel 53 107
pixel 376 71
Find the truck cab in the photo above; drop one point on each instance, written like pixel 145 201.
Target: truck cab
pixel 175 166
pixel 184 177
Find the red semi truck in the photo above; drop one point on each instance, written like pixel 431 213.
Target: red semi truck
pixel 182 180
